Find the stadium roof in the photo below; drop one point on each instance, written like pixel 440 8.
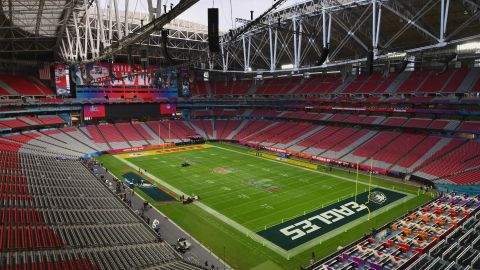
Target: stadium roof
pixel 70 30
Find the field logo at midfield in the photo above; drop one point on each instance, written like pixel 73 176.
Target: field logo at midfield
pixel 222 170
pixel 300 230
pixel 264 185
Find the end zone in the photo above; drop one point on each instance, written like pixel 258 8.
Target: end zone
pixel 300 230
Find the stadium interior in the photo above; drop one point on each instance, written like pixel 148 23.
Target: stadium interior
pixel 289 134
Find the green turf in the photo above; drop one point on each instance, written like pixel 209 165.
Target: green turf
pixel 254 192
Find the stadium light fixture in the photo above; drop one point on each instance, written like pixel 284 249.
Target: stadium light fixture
pixel 287 66
pixel 396 55
pixel 469 47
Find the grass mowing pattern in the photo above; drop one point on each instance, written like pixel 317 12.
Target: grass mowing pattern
pixel 230 190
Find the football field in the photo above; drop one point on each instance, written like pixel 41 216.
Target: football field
pixel 285 208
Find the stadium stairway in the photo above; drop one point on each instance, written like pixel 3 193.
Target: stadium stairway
pixel 29 121
pixel 382 164
pixel 130 134
pixel 143 133
pixel 55 145
pixel 257 131
pixel 370 148
pixel 252 90
pixel 344 154
pixel 441 153
pixel 9 89
pixel 295 88
pixel 198 130
pixel 72 142
pixel 97 130
pixel 393 87
pixel 408 152
pixel 469 81
pixel 152 133
pixel 236 130
pixel 85 134
pixel 81 136
pixel 208 87
pixel 293 133
pixel 115 140
pixel 214 129
pixel 292 145
pixel 417 155
pixel 33 139
pixel 50 135
pixel 345 138
pixel 122 135
pixel 344 85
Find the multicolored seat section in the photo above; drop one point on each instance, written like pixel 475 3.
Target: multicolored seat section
pixel 439 233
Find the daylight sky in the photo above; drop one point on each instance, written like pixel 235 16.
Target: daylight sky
pixel 198 13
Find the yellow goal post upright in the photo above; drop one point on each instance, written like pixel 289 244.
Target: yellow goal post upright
pixel 356 183
pixel 370 180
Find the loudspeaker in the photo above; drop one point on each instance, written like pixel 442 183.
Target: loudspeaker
pixel 213 39
pixel 323 56
pixel 165 48
pixel 369 65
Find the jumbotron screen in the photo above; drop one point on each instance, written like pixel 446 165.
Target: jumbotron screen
pixel 118 80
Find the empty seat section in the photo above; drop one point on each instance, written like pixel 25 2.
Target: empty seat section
pixel 277 86
pixel 110 133
pixel 22 85
pixel 339 117
pixel 452 144
pixel 392 152
pixel 348 140
pixel 383 83
pixel 417 122
pixel 95 134
pixel 456 80
pixel 467 178
pixel 225 128
pixel 265 113
pixel 462 158
pixel 394 121
pixel 198 88
pixel 318 137
pixel 436 81
pixel 129 132
pixel 413 82
pixel 139 128
pixel 51 119
pixel 469 126
pixel 250 128
pixel 369 148
pixel 418 152
pixel 13 123
pixel 339 135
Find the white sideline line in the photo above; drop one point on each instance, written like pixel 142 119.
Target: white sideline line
pixel 254 236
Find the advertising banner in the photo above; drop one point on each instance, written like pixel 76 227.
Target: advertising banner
pixel 62 82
